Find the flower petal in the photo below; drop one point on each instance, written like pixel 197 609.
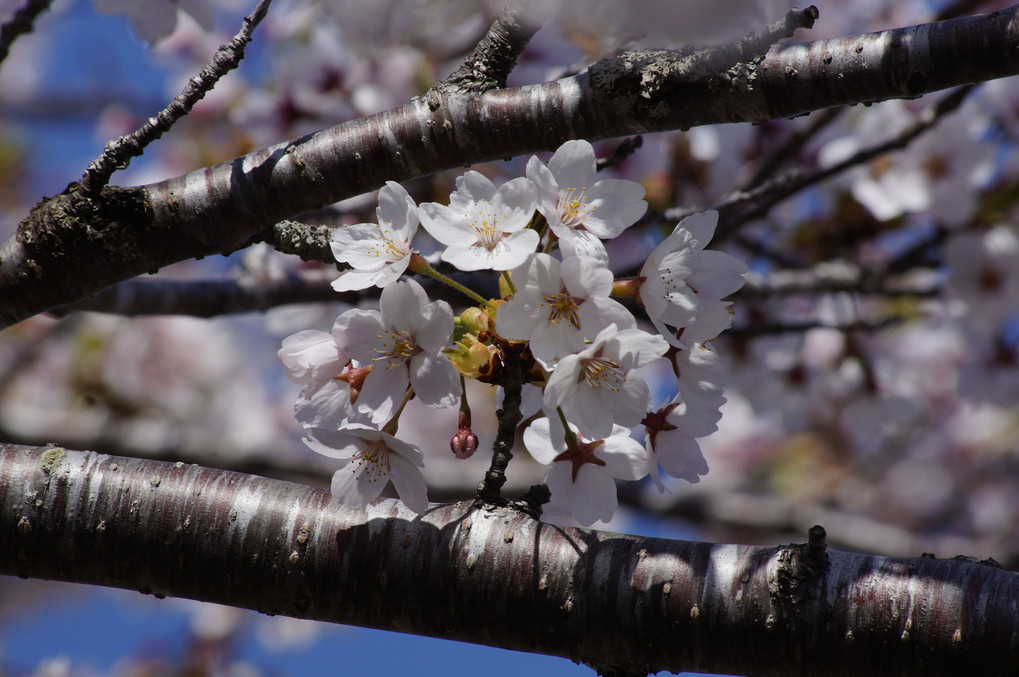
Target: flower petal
pixel 595 496
pixel 409 482
pixel 444 224
pixel 615 206
pixel 625 457
pixel 435 380
pixel 539 442
pixel 574 165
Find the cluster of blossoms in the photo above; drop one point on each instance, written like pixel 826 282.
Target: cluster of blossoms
pixel 580 346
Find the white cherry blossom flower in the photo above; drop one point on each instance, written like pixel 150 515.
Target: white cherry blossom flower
pixel 582 472
pixel 700 378
pixel 484 228
pixel 333 405
pixel 712 319
pixel 941 173
pixel 403 344
pixel 983 275
pixel 680 277
pixel 598 386
pixel 156 19
pixel 377 253
pixel 671 442
pixel 559 305
pixel 371 458
pixel 312 358
pixel 581 208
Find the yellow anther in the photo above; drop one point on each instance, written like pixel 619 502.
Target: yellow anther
pixel 600 372
pixel 563 307
pixel 372 462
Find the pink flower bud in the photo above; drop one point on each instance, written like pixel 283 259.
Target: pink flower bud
pixel 464 443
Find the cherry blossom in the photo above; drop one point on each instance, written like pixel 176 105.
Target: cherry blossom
pixel 319 361
pixel 311 358
pixel 984 274
pixel 582 472
pixel 484 228
pixel 581 208
pixel 333 405
pixel 671 443
pixel 371 458
pixel 700 377
pixel 378 253
pixel 939 172
pixel 680 276
pixel 403 343
pixel 597 387
pixel 156 19
pixel 559 305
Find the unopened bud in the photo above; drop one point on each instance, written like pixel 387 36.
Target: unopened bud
pixel 475 320
pixel 465 442
pixel 629 288
pixel 474 359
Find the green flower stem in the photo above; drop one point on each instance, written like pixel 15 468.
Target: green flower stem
pixel 569 436
pixel 507 279
pixel 419 265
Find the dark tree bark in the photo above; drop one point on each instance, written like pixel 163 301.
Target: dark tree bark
pixel 71 246
pixel 622 604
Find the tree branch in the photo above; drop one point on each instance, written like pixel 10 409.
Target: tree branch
pixel 496 55
pixel 20 23
pixel 211 298
pixel 622 604
pixel 60 255
pixel 745 206
pixel 118 154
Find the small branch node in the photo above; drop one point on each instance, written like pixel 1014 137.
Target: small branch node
pixel 531 501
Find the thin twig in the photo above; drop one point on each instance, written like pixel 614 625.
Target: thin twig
pixel 773 328
pixel 741 207
pixel 623 150
pixel 118 154
pixel 20 24
pixel 491 62
pixel 792 145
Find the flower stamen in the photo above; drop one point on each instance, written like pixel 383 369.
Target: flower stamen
pixel 600 372
pixel 563 307
pixel 372 462
pixel 573 208
pixel 402 349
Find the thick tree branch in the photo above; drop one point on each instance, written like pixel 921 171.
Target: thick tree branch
pixel 60 255
pixel 622 604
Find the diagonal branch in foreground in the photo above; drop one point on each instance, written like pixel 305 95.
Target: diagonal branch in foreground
pixel 496 576
pixel 60 255
pixel 118 153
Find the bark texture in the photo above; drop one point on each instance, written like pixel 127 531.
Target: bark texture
pixel 621 604
pixel 71 247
